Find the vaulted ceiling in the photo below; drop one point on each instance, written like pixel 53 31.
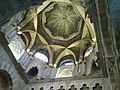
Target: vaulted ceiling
pixel 58 26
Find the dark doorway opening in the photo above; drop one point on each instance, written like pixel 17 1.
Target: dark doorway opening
pixel 32 73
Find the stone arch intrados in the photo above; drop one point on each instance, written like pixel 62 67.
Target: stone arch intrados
pixel 5 80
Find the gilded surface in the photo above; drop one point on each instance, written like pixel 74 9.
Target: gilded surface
pixel 62 20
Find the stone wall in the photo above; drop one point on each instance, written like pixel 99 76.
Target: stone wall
pixel 7 65
pixel 11 7
pixel 114 8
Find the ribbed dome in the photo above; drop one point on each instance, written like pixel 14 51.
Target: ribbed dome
pixel 62 20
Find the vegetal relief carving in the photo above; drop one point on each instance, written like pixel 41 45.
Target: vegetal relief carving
pixel 17 47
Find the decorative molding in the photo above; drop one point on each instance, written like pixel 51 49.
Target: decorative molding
pixel 67 84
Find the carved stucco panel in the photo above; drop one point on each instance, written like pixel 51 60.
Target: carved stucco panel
pixel 17 46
